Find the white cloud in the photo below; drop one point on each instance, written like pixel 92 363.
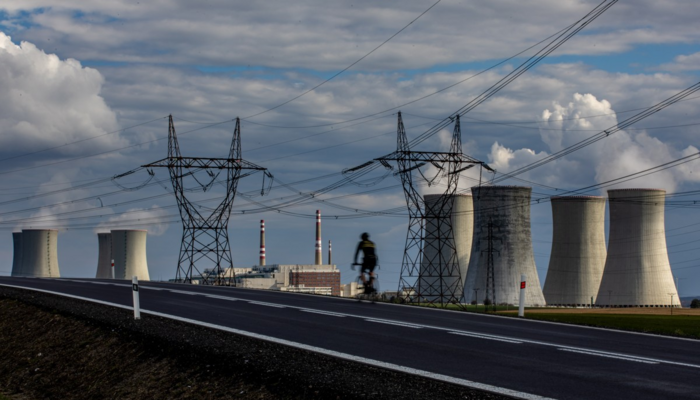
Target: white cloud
pixel 690 62
pixel 620 154
pixel 47 102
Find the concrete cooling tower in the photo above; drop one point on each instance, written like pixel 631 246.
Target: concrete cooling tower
pixel 435 256
pixel 637 272
pixel 578 250
pixel 39 256
pixel 17 254
pixel 104 256
pixel 508 210
pixel 129 253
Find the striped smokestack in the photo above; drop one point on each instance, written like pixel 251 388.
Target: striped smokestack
pixel 319 256
pixel 262 242
pixel 330 255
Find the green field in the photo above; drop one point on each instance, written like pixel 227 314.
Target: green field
pixel 672 325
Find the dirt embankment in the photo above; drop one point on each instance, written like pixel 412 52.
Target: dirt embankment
pixel 56 347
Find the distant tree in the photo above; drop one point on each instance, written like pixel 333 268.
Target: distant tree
pixel 487 302
pixel 695 303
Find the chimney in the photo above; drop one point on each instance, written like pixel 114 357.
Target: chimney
pixel 319 256
pixel 262 242
pixel 330 256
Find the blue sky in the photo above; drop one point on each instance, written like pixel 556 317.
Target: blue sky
pixel 84 70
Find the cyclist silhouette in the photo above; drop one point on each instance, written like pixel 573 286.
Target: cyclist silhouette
pixel 369 262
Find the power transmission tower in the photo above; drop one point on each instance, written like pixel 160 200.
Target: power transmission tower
pixel 205 237
pixel 432 277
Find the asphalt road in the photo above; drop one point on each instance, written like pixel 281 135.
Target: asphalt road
pixel 528 357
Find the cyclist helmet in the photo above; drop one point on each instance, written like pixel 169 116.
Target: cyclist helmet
pixel 364 236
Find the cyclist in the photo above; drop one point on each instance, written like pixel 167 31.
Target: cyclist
pixel 369 262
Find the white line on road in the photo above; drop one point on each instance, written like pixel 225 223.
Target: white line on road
pixel 607 355
pixel 332 314
pixel 376 363
pixel 454 331
pixel 489 337
pixel 388 322
pixel 262 303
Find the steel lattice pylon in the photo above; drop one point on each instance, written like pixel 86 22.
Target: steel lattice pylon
pixel 205 237
pixel 430 276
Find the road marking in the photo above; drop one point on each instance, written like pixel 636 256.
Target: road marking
pixel 388 322
pixel 314 349
pixel 332 314
pixel 262 303
pixel 455 331
pixel 607 355
pixel 489 337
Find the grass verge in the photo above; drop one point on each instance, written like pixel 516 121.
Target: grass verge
pixel 671 325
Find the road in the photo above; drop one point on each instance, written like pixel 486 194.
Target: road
pixel 521 358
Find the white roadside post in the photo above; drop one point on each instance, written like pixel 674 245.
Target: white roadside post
pixel 135 289
pixel 112 269
pixel 521 308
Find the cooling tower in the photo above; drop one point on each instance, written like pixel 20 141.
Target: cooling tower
pixel 104 256
pixel 129 253
pixel 17 254
pixel 39 253
pixel 507 209
pixel 578 250
pixel 637 272
pixel 437 254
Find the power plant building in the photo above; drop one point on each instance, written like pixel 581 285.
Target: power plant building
pixel 637 271
pixel 506 211
pixel 104 256
pixel 317 279
pixel 445 257
pixel 578 251
pixel 38 255
pixel 129 253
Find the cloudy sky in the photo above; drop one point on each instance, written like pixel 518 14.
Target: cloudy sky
pixel 86 88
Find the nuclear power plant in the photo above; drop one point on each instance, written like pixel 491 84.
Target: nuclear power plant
pixel 17 254
pixel 37 255
pixel 129 253
pixel 502 247
pixel 104 256
pixel 637 271
pixel 440 250
pixel 578 251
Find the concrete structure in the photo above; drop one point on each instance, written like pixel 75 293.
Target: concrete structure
pixel 637 271
pixel 578 251
pixel 351 289
pixel 17 254
pixel 319 279
pixel 39 254
pixel 508 210
pixel 262 242
pixel 318 259
pixel 437 253
pixel 129 253
pixel 104 256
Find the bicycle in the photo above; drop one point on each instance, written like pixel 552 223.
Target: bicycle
pixel 373 294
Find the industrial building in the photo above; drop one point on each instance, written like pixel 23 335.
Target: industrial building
pixel 637 271
pixel 36 253
pixel 578 251
pixel 446 246
pixel 318 279
pixel 129 253
pixel 104 256
pixel 502 218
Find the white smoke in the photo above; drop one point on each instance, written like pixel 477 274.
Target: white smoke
pixel 47 102
pixel 620 154
pixel 154 219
